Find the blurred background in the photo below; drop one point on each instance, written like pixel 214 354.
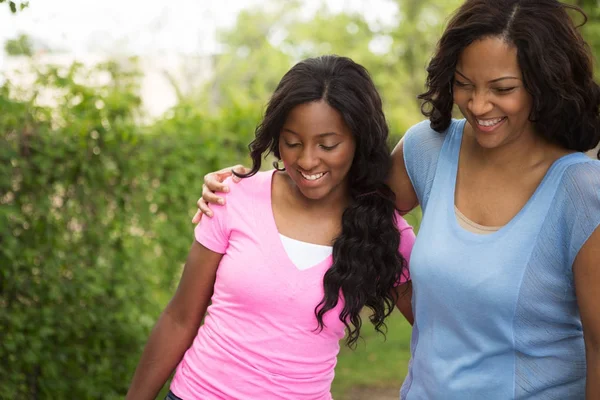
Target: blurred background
pixel 111 112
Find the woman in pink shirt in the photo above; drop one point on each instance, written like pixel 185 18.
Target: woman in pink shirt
pixel 292 257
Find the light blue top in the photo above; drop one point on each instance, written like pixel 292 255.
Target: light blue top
pixel 496 315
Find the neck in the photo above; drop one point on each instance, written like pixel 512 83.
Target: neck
pixel 337 200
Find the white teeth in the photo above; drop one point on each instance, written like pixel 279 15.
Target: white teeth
pixel 312 177
pixel 489 122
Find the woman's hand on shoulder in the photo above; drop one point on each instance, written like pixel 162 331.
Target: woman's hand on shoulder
pixel 213 183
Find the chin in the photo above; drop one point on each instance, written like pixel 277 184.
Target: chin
pixel 314 194
pixel 489 144
pixel 490 141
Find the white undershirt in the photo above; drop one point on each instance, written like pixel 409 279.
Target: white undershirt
pixel 304 255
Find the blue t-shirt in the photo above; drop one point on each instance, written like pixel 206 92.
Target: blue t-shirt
pixel 496 315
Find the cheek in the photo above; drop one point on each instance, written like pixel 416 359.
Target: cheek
pixel 519 108
pixel 343 160
pixel 460 99
pixel 286 159
pixel 285 154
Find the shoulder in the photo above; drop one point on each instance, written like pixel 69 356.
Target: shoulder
pixel 243 195
pixel 587 171
pixel 581 181
pixel 579 199
pixel 256 186
pixel 422 140
pixel 421 150
pixel 423 130
pixel 577 203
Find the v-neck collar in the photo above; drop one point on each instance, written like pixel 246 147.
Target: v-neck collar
pixel 283 265
pixel 455 137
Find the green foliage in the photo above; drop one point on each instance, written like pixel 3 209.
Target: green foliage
pixel 591 30
pixel 16 6
pixel 20 46
pixel 94 217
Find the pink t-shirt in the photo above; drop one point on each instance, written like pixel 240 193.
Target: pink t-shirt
pixel 259 337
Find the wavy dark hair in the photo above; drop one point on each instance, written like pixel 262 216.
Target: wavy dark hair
pixel 555 61
pixel 366 261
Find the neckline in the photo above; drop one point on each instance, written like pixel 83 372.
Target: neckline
pixel 275 241
pixel 474 225
pixel 456 137
pixel 316 246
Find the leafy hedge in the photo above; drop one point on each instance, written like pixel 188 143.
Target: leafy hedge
pixel 95 215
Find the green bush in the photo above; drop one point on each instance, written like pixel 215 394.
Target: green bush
pixel 94 225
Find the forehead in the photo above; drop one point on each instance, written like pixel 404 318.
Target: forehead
pixel 314 118
pixel 489 58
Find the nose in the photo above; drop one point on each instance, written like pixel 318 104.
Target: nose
pixel 479 103
pixel 308 160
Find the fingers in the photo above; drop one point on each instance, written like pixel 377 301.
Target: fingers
pixel 208 196
pixel 240 169
pixel 213 182
pixel 203 208
pixel 197 217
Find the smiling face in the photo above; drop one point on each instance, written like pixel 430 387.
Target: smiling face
pixel 317 150
pixel 488 89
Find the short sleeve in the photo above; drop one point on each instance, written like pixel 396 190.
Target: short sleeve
pixel 407 241
pixel 582 188
pixel 422 146
pixel 213 233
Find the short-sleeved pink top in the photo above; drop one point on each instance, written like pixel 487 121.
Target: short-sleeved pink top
pixel 259 338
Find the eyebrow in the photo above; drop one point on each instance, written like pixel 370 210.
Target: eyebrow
pixel 320 135
pixel 492 81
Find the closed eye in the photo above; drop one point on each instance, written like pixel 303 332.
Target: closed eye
pixel 460 84
pixel 329 148
pixel 504 90
pixel 291 144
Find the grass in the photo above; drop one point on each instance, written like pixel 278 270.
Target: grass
pixel 375 362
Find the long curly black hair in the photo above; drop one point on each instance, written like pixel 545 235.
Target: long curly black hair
pixel 555 61
pixel 366 262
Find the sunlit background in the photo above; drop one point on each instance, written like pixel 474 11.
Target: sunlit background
pixel 111 112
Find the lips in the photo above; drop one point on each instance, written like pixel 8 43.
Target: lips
pixel 312 177
pixel 490 124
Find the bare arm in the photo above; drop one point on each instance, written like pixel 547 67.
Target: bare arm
pixel 404 302
pixel 399 181
pixel 178 324
pixel 586 269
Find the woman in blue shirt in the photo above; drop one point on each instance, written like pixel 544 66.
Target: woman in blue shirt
pixel 507 259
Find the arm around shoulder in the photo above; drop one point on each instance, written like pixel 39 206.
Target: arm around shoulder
pixel 414 164
pixel 399 181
